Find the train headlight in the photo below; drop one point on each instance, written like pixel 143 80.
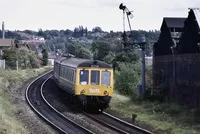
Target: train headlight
pixel 105 92
pixel 83 91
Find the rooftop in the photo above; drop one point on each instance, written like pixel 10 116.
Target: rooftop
pixel 6 42
pixel 173 22
pixel 197 15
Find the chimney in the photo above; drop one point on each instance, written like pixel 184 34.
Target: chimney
pixel 3 31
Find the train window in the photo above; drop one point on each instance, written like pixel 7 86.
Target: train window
pixel 61 71
pixel 95 77
pixel 74 76
pixel 84 77
pixel 67 74
pixel 105 78
pixel 70 76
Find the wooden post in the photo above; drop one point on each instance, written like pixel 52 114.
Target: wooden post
pixel 17 65
pixel 4 64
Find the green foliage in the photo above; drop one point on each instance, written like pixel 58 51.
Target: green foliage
pixel 10 80
pixel 80 51
pixel 12 35
pixel 100 49
pixel 26 58
pixel 10 58
pixel 9 54
pixel 44 57
pixel 33 60
pixel 97 30
pixel 84 53
pixel 127 78
pixel 72 49
pixel 160 118
pixel 79 32
pixel 127 57
pixel 109 58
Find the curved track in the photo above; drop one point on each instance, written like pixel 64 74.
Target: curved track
pixel 105 119
pixel 117 124
pixel 127 125
pixel 42 108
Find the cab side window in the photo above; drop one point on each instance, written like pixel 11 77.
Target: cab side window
pixel 105 78
pixel 84 77
pixel 95 77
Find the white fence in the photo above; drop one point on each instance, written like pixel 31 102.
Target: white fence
pixel 149 60
pixel 2 64
pixel 5 64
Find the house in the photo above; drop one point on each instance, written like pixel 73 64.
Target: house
pixel 6 43
pixel 32 47
pixel 33 44
pixel 51 57
pixel 178 73
pixel 171 30
pixel 190 39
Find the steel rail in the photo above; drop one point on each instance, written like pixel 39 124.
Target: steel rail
pixel 31 105
pixel 128 124
pixel 62 125
pixel 81 127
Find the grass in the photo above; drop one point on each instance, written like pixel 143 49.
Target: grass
pixel 161 118
pixel 10 80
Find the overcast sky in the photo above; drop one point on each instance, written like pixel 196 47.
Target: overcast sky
pixel 67 14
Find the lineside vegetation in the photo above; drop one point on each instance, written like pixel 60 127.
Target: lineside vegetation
pixel 29 65
pixel 10 81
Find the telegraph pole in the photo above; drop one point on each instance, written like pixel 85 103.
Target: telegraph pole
pixel 141 43
pixel 128 14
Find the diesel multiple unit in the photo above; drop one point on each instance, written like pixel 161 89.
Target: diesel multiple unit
pixel 89 81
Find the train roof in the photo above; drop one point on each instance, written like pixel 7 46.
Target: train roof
pixel 76 62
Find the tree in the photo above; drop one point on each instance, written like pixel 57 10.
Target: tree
pixel 80 51
pixel 26 58
pixel 97 30
pixel 84 53
pixel 45 57
pixel 109 58
pixel 100 49
pixel 127 78
pixel 126 57
pixel 10 57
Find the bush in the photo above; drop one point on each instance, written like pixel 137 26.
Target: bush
pixel 84 53
pixel 129 57
pixel 45 57
pixel 109 58
pixel 127 78
pixel 26 58
pixel 80 51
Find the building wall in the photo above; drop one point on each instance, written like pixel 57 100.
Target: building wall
pixel 162 47
pixel 51 61
pixel 190 36
pixel 186 77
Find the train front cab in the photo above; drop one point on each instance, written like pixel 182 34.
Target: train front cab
pixel 94 82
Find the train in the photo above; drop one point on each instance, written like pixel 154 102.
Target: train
pixel 90 82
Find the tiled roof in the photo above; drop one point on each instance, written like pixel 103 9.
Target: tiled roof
pixel 174 22
pixel 6 42
pixel 197 15
pixel 32 47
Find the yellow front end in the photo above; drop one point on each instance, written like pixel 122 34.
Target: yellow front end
pixel 94 82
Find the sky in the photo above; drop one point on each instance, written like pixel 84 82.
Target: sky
pixel 68 14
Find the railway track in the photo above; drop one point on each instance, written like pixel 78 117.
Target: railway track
pixel 104 119
pixel 50 115
pixel 121 126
